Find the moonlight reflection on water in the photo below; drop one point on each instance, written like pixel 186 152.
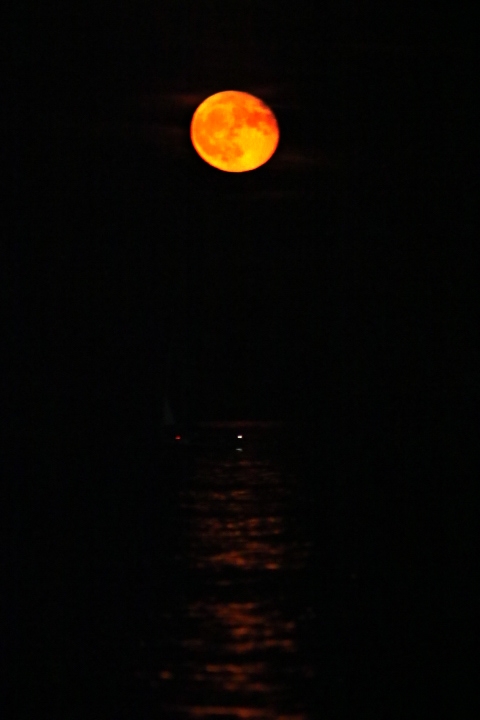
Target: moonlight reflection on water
pixel 232 651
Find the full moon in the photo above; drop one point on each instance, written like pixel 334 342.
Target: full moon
pixel 234 131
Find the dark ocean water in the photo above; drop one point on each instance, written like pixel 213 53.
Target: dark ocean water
pixel 250 577
pixel 220 636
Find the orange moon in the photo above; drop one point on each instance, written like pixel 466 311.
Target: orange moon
pixel 234 131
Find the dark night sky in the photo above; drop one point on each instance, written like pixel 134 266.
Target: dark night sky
pixel 334 284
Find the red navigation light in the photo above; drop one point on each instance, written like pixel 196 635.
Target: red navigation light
pixel 178 437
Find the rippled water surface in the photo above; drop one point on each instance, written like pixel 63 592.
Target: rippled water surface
pixel 238 577
pixel 220 626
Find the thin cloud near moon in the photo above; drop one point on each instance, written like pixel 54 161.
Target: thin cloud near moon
pixel 171 114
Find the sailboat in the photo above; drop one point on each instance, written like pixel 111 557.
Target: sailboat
pixel 177 426
pixel 172 432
